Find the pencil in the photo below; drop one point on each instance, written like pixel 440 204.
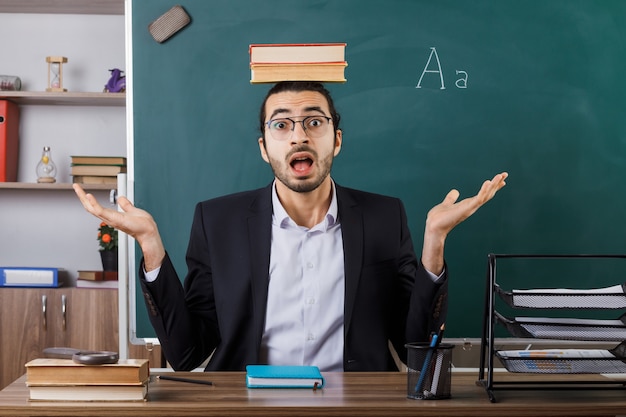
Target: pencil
pixel 190 381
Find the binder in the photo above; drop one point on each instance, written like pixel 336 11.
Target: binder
pixel 30 277
pixel 9 140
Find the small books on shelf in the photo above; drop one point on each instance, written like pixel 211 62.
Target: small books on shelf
pixel 282 376
pixel 98 160
pixel 97 279
pixel 97 275
pixel 53 379
pixel 95 179
pixel 324 62
pixel 109 284
pixel 30 277
pixel 97 169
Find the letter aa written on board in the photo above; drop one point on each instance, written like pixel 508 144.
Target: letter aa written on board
pixel 460 82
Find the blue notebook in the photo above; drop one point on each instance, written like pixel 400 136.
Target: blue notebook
pixel 283 376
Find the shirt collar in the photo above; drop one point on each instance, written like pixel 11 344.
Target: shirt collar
pixel 282 219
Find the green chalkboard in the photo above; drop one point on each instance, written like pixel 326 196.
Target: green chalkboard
pixel 440 95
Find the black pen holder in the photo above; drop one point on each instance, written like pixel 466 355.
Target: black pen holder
pixel 429 371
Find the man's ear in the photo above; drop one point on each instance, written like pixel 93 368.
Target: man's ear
pixel 338 141
pixel 263 150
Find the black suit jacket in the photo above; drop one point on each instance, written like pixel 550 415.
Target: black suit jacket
pixel 221 307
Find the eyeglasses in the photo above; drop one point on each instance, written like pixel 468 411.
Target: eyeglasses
pixel 313 126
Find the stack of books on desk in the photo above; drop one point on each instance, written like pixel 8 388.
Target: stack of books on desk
pixel 50 379
pixel 97 169
pixel 323 62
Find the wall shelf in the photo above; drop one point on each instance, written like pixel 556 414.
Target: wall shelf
pixel 105 7
pixel 65 99
pixel 53 187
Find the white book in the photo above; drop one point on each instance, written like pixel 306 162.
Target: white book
pixel 297 53
pixel 83 283
pixel 88 392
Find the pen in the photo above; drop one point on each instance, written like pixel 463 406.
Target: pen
pixel 429 355
pixel 178 379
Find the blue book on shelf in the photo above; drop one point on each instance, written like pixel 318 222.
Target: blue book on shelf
pixel 29 277
pixel 283 376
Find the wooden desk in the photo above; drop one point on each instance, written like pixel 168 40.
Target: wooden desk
pixel 345 394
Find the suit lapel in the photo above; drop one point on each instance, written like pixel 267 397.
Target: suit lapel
pixel 351 219
pixel 259 240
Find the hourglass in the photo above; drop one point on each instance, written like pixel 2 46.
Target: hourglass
pixel 55 73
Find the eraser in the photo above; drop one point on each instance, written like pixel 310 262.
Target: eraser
pixel 168 24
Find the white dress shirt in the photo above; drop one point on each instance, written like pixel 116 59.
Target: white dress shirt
pixel 304 319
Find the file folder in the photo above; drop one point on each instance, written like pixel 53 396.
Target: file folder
pixel 9 140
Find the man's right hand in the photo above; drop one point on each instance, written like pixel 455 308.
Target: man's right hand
pixel 131 220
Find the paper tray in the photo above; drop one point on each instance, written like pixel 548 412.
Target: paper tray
pixel 565 328
pixel 591 362
pixel 599 298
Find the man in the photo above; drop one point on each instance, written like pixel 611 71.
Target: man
pixel 303 271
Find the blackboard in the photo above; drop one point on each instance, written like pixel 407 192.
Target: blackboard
pixel 440 95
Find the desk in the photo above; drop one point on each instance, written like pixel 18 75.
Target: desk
pixel 345 394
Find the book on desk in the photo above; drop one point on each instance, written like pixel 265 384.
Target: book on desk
pixel 52 379
pixel 282 376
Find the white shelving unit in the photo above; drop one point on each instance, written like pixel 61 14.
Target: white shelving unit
pixel 44 224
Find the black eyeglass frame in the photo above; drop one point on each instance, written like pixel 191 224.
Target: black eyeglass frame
pixel 294 122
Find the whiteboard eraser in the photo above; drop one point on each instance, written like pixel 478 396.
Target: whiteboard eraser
pixel 168 24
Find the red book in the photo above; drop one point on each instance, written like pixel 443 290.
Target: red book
pixel 9 140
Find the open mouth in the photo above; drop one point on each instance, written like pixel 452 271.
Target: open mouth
pixel 301 163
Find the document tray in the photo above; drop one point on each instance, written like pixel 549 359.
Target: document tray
pixel 563 361
pixel 600 298
pixel 564 328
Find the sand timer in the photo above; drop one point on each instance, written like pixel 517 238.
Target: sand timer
pixel 55 73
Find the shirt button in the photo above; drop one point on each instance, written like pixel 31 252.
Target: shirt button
pixel 310 336
pixel 310 300
pixel 309 265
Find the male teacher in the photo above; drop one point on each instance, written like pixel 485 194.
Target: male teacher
pixel 303 271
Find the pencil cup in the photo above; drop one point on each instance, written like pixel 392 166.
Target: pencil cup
pixel 429 371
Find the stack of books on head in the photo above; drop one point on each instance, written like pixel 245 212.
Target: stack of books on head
pixel 324 62
pixel 50 379
pixel 97 279
pixel 97 169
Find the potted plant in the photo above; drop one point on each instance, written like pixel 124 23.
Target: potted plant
pixel 107 238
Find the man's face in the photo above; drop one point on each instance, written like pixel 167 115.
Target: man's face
pixel 299 161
